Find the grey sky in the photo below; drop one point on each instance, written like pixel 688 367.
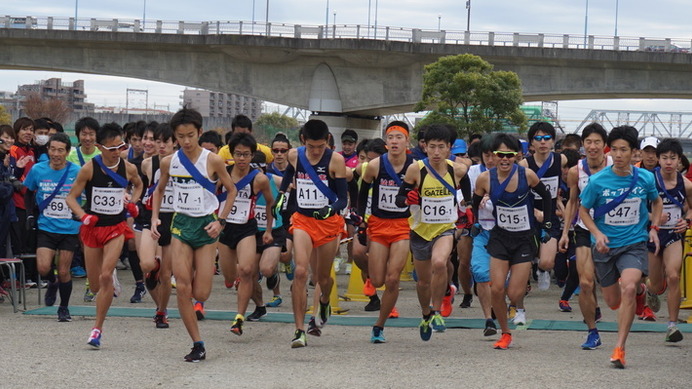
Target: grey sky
pixel 636 18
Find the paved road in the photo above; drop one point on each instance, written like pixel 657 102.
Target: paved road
pixel 37 350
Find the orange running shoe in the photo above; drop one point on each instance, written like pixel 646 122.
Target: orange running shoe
pixel 199 310
pixel 647 315
pixel 369 288
pixel 504 342
pixel 641 300
pixel 394 314
pixel 618 358
pixel 448 302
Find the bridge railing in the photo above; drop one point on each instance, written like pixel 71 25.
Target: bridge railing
pixel 349 31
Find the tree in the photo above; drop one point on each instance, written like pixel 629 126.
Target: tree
pixel 36 107
pixel 465 91
pixel 5 117
pixel 269 124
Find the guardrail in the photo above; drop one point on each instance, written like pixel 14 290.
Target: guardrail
pixel 347 31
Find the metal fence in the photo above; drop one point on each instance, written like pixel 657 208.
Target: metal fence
pixel 349 31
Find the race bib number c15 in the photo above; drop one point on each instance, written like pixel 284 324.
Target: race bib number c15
pixel 513 219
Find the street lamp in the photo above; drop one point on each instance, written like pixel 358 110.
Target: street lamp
pixel 468 15
pixel 76 5
pixel 376 5
pixel 586 22
pixel 266 19
pixel 326 18
pixel 617 4
pixel 144 15
pixel 334 22
pixel 439 22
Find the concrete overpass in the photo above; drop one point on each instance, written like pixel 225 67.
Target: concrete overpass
pixel 356 78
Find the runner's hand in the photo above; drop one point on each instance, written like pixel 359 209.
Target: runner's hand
pixel 267 238
pixel 212 229
pixel 681 226
pixel 323 213
pixel 653 238
pixel 412 198
pixel 279 205
pixel 132 209
pixel 155 223
pixel 602 242
pixel 89 220
pixel 563 243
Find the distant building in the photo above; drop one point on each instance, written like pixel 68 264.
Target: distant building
pixel 71 93
pixel 221 105
pixel 10 100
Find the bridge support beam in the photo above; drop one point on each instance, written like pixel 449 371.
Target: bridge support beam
pixel 367 128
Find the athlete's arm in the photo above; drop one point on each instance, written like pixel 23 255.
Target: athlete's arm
pixel 337 168
pixel 542 191
pixel 261 184
pixel 410 184
pixel 364 192
pixel 80 182
pixel 601 240
pixel 136 180
pixel 157 195
pixel 570 208
pixel 482 188
pixel 656 210
pixel 218 167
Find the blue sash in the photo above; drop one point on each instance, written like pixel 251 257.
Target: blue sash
pixel 495 193
pixel 314 177
pixel 432 171
pixel 240 184
pixel 390 169
pixel 585 166
pixel 659 178
pixel 607 207
pixel 130 153
pixel 80 156
pixel 48 199
pixel 120 180
pixel 196 175
pixel 544 168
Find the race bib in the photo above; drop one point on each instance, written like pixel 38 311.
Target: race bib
pixel 57 209
pixel 240 212
pixel 308 196
pixel 261 216
pixel 387 198
pixel 672 213
pixel 625 214
pixel 168 196
pixel 188 196
pixel 107 201
pixel 513 219
pixel 438 210
pixel 551 185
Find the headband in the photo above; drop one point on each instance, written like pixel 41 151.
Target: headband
pixel 397 128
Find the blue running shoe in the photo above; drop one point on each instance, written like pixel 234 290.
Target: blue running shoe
pixel 95 338
pixel 275 302
pixel 425 329
pixel 438 323
pixel 377 335
pixel 290 270
pixel 593 340
pixel 78 272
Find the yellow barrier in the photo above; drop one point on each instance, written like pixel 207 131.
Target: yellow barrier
pixel 408 269
pixel 686 274
pixel 354 292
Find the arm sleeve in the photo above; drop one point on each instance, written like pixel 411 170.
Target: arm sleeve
pixel 341 194
pixel 547 201
pixel 29 200
pixel 363 198
pixel 353 194
pixel 400 200
pixel 288 178
pixel 465 185
pixel 475 204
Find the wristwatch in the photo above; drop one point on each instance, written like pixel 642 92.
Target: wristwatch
pixel 547 225
pixel 222 222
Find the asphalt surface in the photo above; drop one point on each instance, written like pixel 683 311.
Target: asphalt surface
pixel 39 351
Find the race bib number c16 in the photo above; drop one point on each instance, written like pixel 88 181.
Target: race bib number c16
pixel 435 210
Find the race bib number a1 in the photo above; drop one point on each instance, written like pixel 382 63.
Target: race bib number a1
pixel 438 210
pixel 513 219
pixel 625 214
pixel 308 196
pixel 107 201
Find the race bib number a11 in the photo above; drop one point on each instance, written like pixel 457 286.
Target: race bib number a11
pixel 308 196
pixel 387 198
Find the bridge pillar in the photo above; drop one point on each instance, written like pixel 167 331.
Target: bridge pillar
pixel 366 128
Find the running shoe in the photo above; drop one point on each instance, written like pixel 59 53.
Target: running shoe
pixel 323 314
pixel 30 284
pixel 519 318
pixel 466 302
pixel 425 328
pixel 448 300
pixel 653 301
pixel 78 272
pixel 117 288
pixel 369 288
pixel 173 283
pixel 95 338
pixel 618 358
pixel 51 294
pixel 89 296
pixel 394 314
pixel 199 310
pixel 313 329
pixel 647 315
pixel 564 306
pixel 438 323
pixel 511 312
pixel 43 284
pixel 490 328
pixel 593 341
pixel 237 326
pixel 64 315
pixel 374 304
pixel 152 278
pixel 257 314
pixel 673 335
pixel 140 291
pixel 290 271
pixel 543 280
pixel 299 339
pixel 377 335
pixel 275 302
pixel 197 354
pixel 599 315
pixel 272 281
pixel 161 320
pixel 641 301
pixel 504 342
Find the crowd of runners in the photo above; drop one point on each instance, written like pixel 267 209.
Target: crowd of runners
pixel 483 218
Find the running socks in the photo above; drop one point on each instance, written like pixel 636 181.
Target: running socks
pixel 65 289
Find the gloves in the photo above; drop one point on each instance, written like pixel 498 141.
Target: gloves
pixel 132 209
pixel 545 235
pixel 30 223
pixel 362 236
pixel 465 219
pixel 89 220
pixel 354 218
pixel 323 213
pixel 412 198
pixel 475 230
pixel 279 205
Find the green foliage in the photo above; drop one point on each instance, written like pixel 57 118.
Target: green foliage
pixel 269 124
pixel 464 90
pixel 5 117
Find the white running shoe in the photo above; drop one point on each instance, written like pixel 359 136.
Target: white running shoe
pixel 117 288
pixel 520 317
pixel 543 280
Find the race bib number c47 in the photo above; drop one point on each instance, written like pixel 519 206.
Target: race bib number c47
pixel 435 210
pixel 672 213
pixel 625 214
pixel 308 196
pixel 513 219
pixel 107 201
